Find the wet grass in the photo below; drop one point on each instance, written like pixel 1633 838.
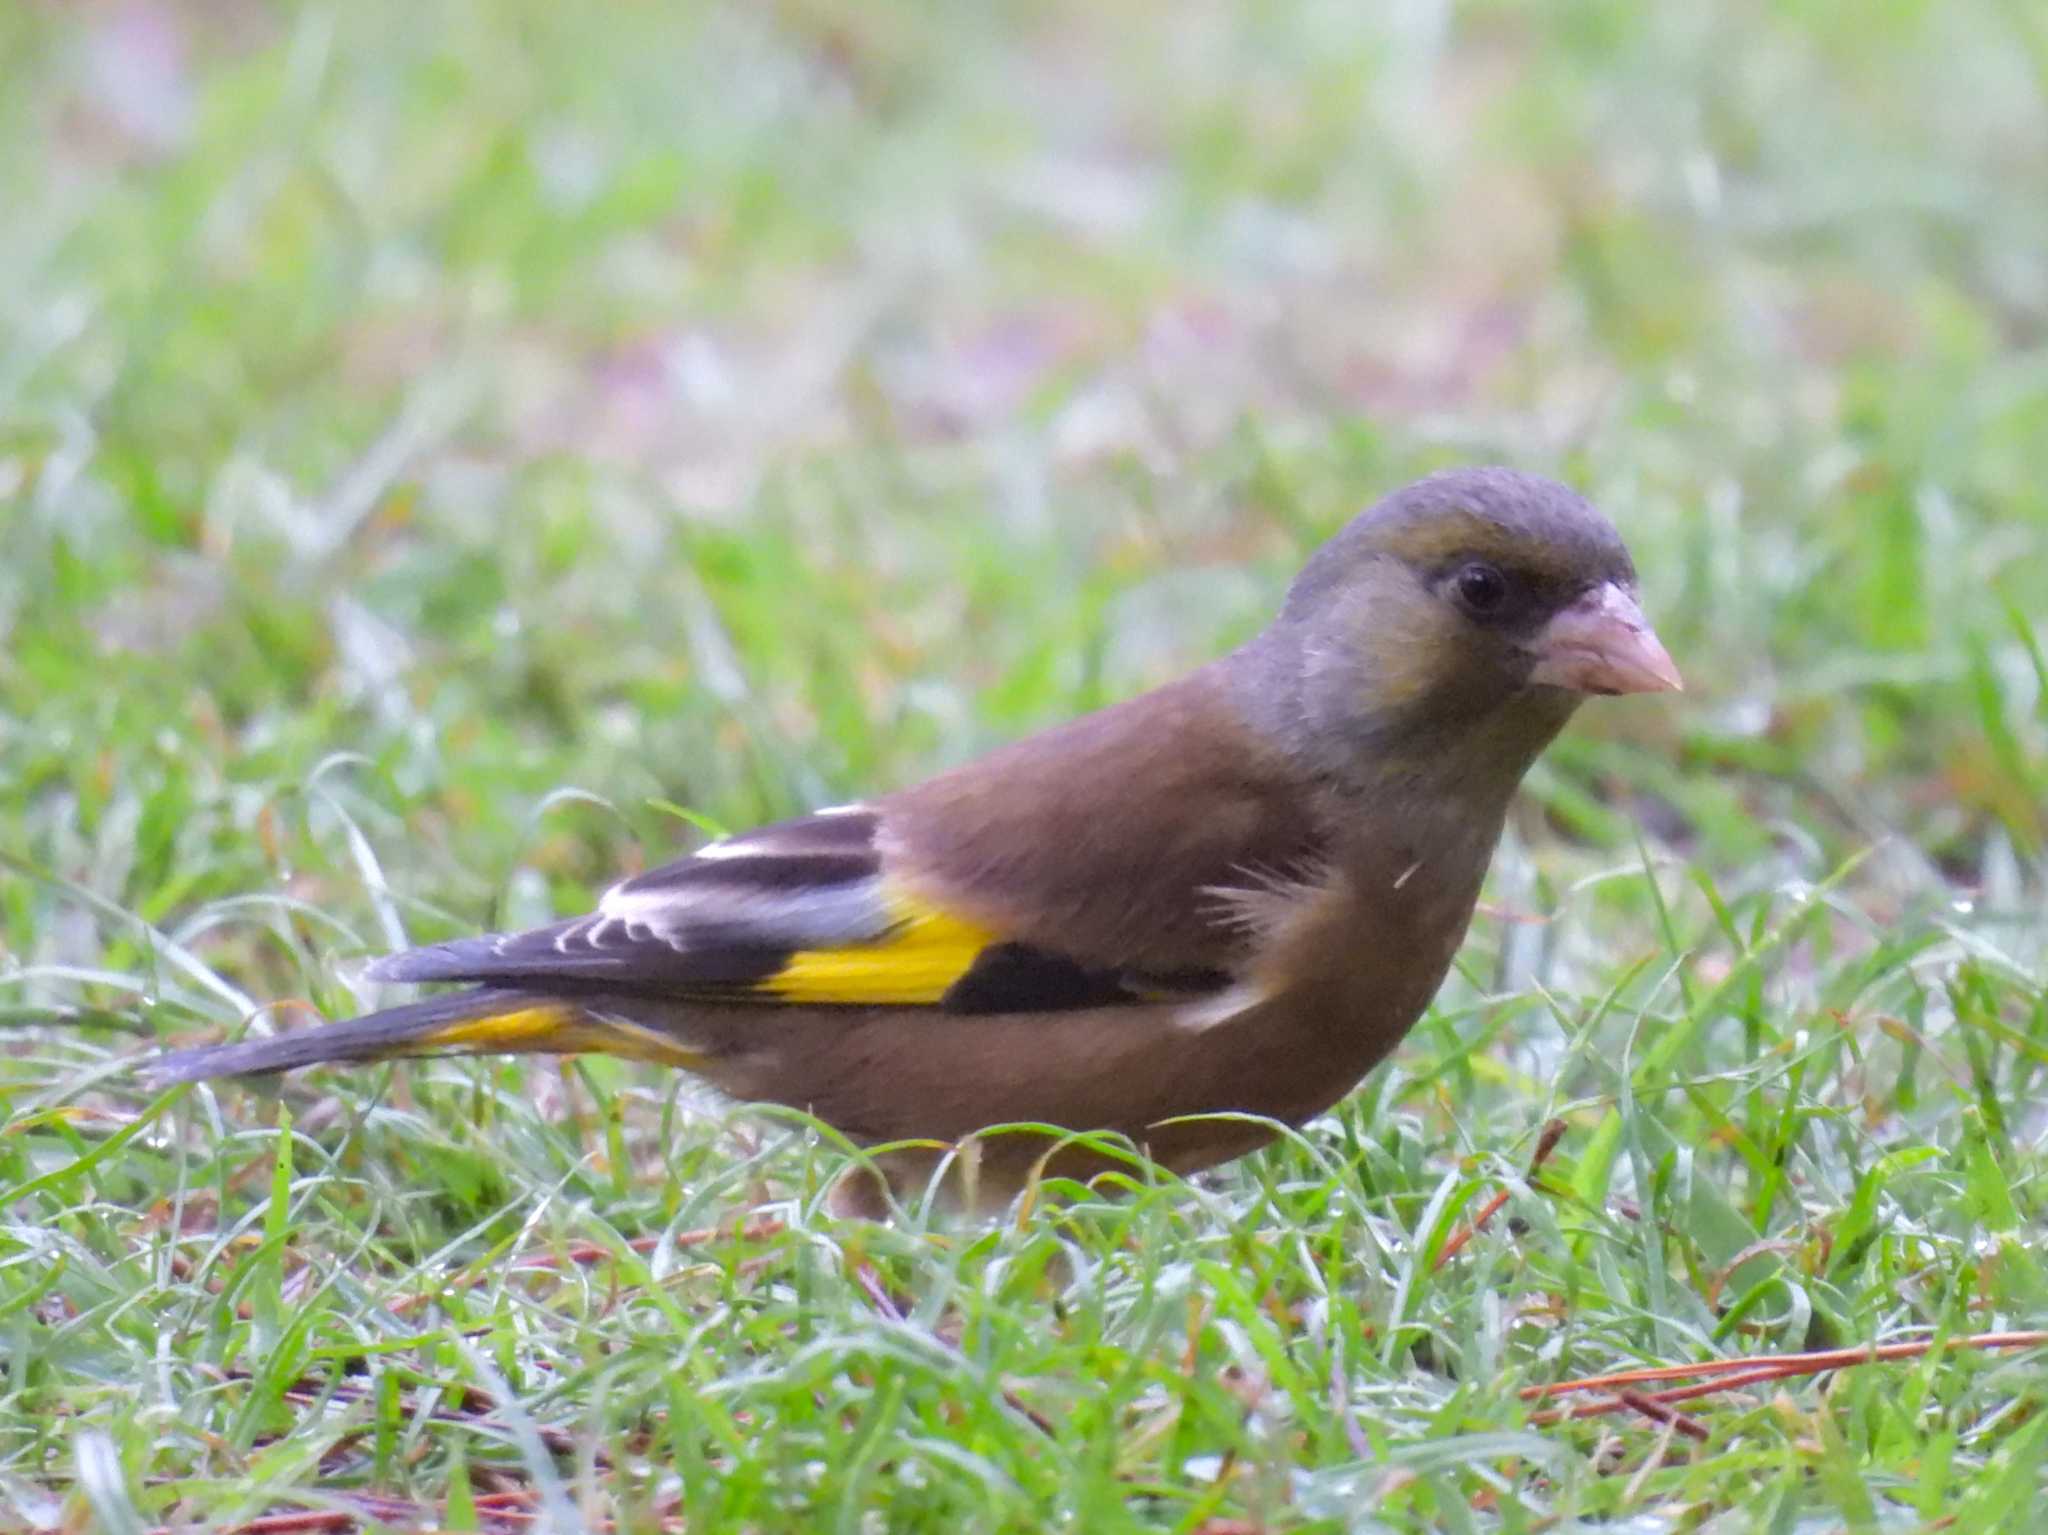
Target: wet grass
pixel 449 453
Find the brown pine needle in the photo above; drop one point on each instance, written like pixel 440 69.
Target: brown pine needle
pixel 1786 1364
pixel 293 1524
pixel 1546 1143
pixel 1658 1410
pixel 1762 1375
pixel 1735 1374
pixel 1455 1243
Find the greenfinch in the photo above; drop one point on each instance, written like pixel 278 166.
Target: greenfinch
pixel 1186 918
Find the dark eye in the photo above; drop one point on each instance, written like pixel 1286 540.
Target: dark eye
pixel 1482 589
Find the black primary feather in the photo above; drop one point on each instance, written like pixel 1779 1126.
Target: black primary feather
pixel 371 1037
pixel 728 916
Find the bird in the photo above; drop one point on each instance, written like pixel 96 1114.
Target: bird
pixel 1190 918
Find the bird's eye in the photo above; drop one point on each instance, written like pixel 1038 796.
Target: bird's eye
pixel 1481 588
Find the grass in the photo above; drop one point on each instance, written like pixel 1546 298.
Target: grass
pixel 449 453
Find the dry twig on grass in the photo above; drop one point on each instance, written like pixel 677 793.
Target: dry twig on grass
pixel 1735 1374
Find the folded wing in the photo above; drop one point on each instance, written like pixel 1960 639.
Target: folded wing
pixel 802 911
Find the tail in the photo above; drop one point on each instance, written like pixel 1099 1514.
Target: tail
pixel 480 1022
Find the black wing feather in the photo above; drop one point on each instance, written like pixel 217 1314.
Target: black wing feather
pixel 729 918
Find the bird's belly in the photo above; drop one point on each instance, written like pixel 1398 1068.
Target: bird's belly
pixel 1331 995
pixel 922 1074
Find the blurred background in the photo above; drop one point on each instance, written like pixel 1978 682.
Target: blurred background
pixel 453 452
pixel 747 405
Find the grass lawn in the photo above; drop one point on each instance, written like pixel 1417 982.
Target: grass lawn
pixel 451 453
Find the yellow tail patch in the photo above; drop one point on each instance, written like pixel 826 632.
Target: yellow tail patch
pixel 559 1031
pixel 925 952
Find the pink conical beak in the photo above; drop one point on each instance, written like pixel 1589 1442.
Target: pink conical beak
pixel 1603 644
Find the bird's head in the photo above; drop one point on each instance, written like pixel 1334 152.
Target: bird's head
pixel 1452 628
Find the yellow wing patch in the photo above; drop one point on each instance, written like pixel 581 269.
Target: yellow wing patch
pixel 924 953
